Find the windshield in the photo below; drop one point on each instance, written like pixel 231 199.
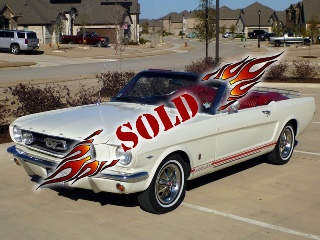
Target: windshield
pixel 156 88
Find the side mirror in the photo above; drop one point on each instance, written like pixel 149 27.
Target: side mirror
pixel 234 107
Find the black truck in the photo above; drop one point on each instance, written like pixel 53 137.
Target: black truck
pixel 256 33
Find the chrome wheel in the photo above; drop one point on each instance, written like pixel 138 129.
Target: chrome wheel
pixel 15 49
pixel 282 153
pixel 286 143
pixel 168 184
pixel 167 188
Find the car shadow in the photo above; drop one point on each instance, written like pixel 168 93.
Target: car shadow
pixel 104 198
pixel 35 52
pixel 223 173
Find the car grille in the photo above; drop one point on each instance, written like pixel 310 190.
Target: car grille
pixel 52 144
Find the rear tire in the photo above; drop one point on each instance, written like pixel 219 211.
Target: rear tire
pixel 167 189
pixel 15 49
pixel 282 153
pixel 70 42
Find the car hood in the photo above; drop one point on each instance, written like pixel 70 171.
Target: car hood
pixel 80 122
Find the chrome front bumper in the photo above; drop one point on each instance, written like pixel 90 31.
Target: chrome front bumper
pixel 108 174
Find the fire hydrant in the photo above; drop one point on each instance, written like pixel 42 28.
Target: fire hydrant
pixel 185 44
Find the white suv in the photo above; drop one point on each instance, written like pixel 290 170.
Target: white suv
pixel 17 40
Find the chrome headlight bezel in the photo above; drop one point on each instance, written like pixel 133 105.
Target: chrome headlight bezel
pixel 16 133
pixel 124 158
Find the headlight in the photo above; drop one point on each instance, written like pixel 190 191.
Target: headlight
pixel 17 134
pixel 27 138
pixel 124 157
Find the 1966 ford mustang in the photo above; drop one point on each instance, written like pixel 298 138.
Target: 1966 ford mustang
pixel 151 128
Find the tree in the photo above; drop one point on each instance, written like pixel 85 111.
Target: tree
pixel 145 27
pixel 223 29
pixel 313 28
pixel 232 29
pixel 205 22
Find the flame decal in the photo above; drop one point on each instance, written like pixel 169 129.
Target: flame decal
pixel 78 163
pixel 240 74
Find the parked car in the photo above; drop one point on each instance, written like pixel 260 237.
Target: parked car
pixel 18 40
pixel 158 142
pixel 192 35
pixel 256 33
pixel 90 38
pixel 227 35
pixel 289 38
pixel 266 36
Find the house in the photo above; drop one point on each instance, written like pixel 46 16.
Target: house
pixel 228 19
pixel 176 23
pixel 52 18
pixel 303 15
pixel 151 26
pixel 278 21
pixel 249 18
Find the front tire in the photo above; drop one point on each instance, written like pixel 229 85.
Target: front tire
pixel 282 153
pixel 99 44
pixel 167 189
pixel 15 49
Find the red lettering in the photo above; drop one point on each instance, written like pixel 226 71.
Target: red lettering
pixel 183 103
pixel 127 136
pixel 191 102
pixel 164 117
pixel 142 128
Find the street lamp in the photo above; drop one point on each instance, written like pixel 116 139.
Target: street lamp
pixel 259 12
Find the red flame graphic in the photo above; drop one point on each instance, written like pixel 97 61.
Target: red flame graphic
pixel 78 164
pixel 240 74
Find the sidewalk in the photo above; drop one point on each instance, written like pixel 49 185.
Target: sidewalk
pixel 80 51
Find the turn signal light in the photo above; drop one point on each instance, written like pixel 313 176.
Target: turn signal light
pixel 120 187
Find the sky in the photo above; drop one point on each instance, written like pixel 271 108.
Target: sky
pixel 155 9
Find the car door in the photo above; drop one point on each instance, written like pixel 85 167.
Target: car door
pixel 241 134
pixel 6 38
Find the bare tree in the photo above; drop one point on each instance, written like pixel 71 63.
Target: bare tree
pixel 121 31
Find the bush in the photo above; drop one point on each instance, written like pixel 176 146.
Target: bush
pixel 142 41
pixel 4 111
pixel 202 65
pixel 278 71
pixel 113 82
pixel 303 69
pixel 31 99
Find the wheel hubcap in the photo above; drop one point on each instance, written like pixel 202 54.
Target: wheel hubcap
pixel 168 184
pixel 286 143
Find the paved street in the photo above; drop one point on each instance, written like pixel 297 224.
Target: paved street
pixel 251 200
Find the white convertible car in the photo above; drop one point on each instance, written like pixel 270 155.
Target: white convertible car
pixel 162 129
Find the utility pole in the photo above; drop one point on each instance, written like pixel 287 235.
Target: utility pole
pixel 207 28
pixel 217 32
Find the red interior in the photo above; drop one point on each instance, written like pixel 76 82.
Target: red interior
pixel 259 99
pixel 205 94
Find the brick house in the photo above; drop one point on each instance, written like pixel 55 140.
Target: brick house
pixel 175 23
pixel 300 15
pixel 229 18
pixel 51 18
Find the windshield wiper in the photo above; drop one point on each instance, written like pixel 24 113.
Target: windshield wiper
pixel 129 98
